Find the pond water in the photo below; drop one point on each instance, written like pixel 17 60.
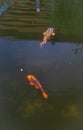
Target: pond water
pixel 58 67
pixel 23 22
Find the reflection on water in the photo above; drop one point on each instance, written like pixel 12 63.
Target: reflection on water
pixel 59 70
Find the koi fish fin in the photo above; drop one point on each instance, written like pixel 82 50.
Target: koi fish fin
pixel 36 87
pixel 31 83
pixel 53 34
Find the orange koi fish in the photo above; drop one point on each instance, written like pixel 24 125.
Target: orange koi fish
pixel 47 36
pixel 34 82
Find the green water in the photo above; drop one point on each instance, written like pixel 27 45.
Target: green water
pixel 23 22
pixel 59 69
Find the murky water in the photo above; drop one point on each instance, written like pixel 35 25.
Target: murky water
pixel 58 67
pixel 23 22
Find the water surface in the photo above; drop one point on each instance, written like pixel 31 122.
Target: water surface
pixel 59 69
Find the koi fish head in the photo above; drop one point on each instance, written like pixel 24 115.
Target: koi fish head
pixel 33 81
pixel 49 32
pixel 29 77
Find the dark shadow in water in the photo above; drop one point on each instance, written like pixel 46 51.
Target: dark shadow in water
pixel 76 50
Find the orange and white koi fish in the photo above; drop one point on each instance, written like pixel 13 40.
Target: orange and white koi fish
pixel 34 82
pixel 47 35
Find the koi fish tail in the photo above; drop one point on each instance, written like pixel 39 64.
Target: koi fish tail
pixel 42 43
pixel 45 95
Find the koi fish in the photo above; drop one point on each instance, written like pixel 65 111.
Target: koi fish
pixel 47 36
pixel 34 82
